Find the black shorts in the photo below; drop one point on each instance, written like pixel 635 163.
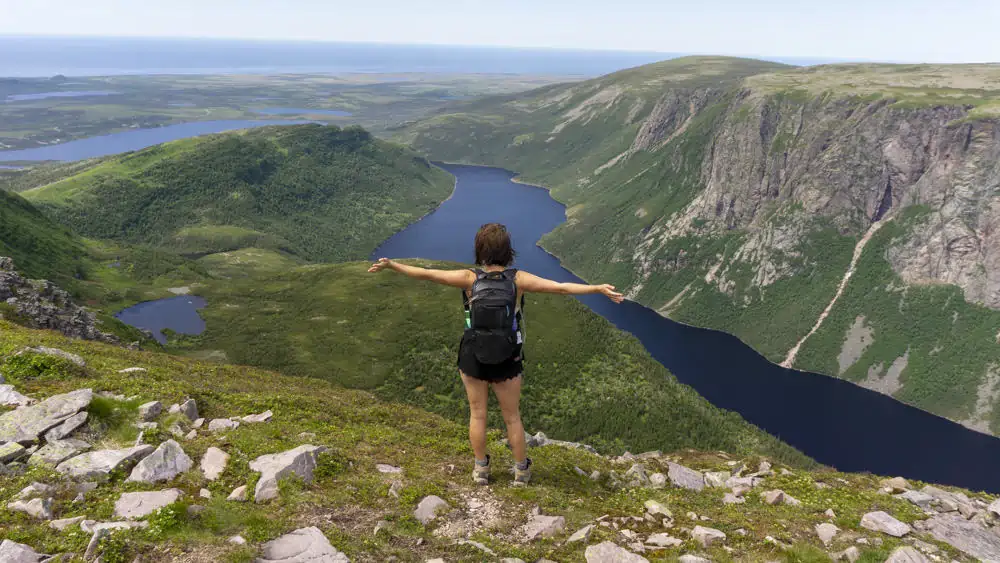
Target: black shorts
pixel 472 367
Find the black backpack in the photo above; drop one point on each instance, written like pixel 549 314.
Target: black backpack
pixel 493 321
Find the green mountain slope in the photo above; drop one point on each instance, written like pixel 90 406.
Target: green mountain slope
pixel 321 193
pixel 40 247
pixel 732 195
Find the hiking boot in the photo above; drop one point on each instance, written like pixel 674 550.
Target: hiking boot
pixel 481 473
pixel 522 476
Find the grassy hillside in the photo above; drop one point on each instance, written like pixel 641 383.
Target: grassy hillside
pixel 39 247
pixel 318 192
pixel 585 380
pixel 730 194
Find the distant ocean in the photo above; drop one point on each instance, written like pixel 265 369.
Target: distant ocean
pixel 25 56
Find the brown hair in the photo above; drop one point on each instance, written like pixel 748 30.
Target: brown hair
pixel 493 246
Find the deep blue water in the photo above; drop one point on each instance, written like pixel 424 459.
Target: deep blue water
pixel 98 56
pixel 179 314
pixel 131 140
pixel 67 94
pixel 302 111
pixel 835 422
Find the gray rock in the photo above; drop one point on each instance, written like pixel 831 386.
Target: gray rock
pixel 147 425
pixel 191 435
pixel 994 508
pixel 730 498
pixel 67 427
pixel 636 475
pixel 92 527
pixel 254 418
pixel 716 479
pixel 385 468
pixel 36 507
pixel 684 477
pixel 882 522
pixel 923 500
pixel 189 408
pixel 656 480
pixel 826 532
pixel 65 523
pixel 57 353
pixel 94 544
pixel 205 493
pixel 608 552
pixel 58 451
pixel 198 423
pixel 969 537
pixel 34 490
pixel 830 513
pixel 132 370
pixel 222 424
pixel 12 451
pixel 99 464
pixel 299 461
pixel 774 497
pixel 239 494
pixel 688 558
pixel 137 505
pixel 26 424
pixel 428 508
pixel 11 398
pixel 306 545
pixel 657 509
pixel 213 463
pixel 907 554
pixel 744 482
pixel 707 537
pixel 895 485
pixel 583 534
pixel 149 412
pixel 237 540
pixel 13 552
pixel 948 501
pixel 663 540
pixel 542 526
pixel 477 545
pixel 167 462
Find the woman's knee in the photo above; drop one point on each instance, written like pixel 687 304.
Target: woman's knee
pixel 512 418
pixel 477 412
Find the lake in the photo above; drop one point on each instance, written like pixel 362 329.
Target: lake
pixel 133 140
pixel 833 421
pixel 302 111
pixel 179 314
pixel 45 95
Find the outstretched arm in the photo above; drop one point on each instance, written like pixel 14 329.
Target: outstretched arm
pixel 530 283
pixel 454 278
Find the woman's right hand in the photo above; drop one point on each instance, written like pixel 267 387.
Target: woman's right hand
pixel 382 264
pixel 608 291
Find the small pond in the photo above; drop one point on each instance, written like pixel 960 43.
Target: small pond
pixel 179 314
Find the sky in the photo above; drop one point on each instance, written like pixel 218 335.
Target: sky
pixel 881 30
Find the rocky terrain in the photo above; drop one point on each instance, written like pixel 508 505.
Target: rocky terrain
pixel 782 205
pixel 120 455
pixel 41 304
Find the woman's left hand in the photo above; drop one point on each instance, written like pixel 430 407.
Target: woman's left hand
pixel 382 264
pixel 608 291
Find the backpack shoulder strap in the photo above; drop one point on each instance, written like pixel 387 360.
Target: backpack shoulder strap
pixel 511 274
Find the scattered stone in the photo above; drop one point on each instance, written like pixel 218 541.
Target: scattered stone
pixel 307 435
pixel 850 554
pixel 428 508
pixel 923 500
pixel 99 464
pixel 895 485
pixel 774 497
pixel 94 544
pixel 222 424
pixel 657 509
pixel 58 451
pixel 205 493
pixel 148 412
pixel 300 461
pixel 882 522
pixel 11 398
pixel 663 540
pixel 36 508
pixel 385 468
pixel 707 537
pixel 11 451
pixel 792 501
pixel 830 513
pixel 583 534
pixel 64 523
pixel 542 526
pixel 395 488
pixel 907 554
pixel 56 352
pixel 608 552
pixel 137 505
pixel 26 424
pixel 13 552
pixel 740 490
pixel 198 423
pixel 969 537
pixel 730 498
pixel 254 418
pixel 132 370
pixel 147 425
pixel 684 477
pixel 657 480
pixel 191 435
pixel 92 527
pixel 716 479
pixel 237 540
pixel 239 494
pixel 747 482
pixel 478 546
pixel 165 463
pixel 596 475
pixel 213 463
pixel 688 558
pixel 826 532
pixel 301 546
pixel 176 430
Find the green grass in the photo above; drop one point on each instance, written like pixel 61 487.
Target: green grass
pixel 40 248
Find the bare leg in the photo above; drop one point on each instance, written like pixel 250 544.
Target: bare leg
pixel 479 393
pixel 509 395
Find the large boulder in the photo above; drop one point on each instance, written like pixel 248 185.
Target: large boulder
pixel 213 463
pixel 189 408
pixel 428 508
pixel 11 398
pixel 923 500
pixel 13 552
pixel 11 451
pixel 305 545
pixel 137 505
pixel 300 461
pixel 67 427
pixel 609 552
pixel 882 522
pixel 99 464
pixel 684 477
pixel 542 526
pixel 26 424
pixel 907 554
pixel 967 536
pixel 56 452
pixel 36 508
pixel 167 462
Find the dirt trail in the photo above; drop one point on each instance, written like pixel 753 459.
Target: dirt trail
pixel 858 250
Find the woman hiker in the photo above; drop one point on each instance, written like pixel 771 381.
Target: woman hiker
pixel 490 352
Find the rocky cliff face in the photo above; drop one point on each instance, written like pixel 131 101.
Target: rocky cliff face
pixel 40 304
